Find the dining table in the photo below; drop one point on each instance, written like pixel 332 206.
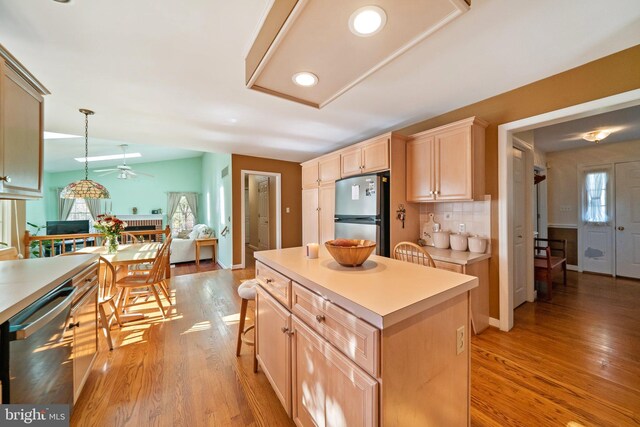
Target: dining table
pixel 126 256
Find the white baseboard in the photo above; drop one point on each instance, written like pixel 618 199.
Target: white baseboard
pixel 573 268
pixel 221 264
pixel 237 267
pixel 494 322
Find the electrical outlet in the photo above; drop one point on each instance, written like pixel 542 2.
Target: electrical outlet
pixel 447 215
pixel 460 338
pixel 462 228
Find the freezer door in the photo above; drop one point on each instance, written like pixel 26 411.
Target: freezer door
pixel 345 230
pixel 358 196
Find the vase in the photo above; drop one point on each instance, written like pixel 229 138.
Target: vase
pixel 112 244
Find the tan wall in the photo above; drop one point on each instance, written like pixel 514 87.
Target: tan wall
pixel 607 76
pixel 564 189
pixel 291 198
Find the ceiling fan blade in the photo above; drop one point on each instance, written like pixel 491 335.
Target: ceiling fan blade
pixel 105 170
pixel 145 174
pixel 106 173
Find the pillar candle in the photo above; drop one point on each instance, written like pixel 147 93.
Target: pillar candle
pixel 312 250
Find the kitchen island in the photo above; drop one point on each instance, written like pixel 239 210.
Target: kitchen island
pixel 383 344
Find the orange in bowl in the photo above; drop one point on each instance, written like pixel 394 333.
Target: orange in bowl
pixel 350 252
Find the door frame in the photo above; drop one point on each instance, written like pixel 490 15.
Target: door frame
pixel 278 177
pixel 506 132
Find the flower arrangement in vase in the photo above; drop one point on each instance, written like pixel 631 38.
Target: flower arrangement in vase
pixel 111 227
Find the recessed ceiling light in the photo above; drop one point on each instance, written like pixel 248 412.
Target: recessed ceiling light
pixel 109 157
pixel 305 79
pixel 596 136
pixel 367 21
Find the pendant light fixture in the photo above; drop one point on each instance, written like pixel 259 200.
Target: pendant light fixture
pixel 85 188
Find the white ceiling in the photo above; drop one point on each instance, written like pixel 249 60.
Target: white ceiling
pixel 624 124
pixel 170 75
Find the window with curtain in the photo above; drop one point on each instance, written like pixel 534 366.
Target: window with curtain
pixel 80 210
pixel 595 208
pixel 183 217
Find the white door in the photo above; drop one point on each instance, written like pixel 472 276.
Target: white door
pixel 519 249
pixel 247 228
pixel 627 224
pixel 596 247
pixel 263 214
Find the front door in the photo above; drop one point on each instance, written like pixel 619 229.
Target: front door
pixel 519 249
pixel 596 235
pixel 627 224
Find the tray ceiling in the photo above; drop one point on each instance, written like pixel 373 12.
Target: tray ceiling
pixel 314 36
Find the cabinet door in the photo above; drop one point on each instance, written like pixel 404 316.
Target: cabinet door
pixel 310 216
pixel 454 165
pixel 351 161
pixel 375 155
pixel 329 169
pixel 310 175
pixel 273 345
pixel 308 376
pixel 21 127
pixel 351 395
pixel 420 169
pixel 327 202
pixel 85 338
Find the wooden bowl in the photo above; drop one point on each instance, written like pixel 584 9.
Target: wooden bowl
pixel 350 252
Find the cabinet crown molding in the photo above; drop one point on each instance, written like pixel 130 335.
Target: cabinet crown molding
pixel 16 66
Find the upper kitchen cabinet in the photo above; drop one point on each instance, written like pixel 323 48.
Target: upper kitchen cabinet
pixel 367 156
pixel 21 130
pixel 447 163
pixel 320 171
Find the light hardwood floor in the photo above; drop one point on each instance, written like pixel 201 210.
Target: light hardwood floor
pixel 575 359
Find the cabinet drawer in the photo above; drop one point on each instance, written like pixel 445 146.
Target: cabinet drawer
pixel 275 283
pixel 354 337
pixel 85 279
pixel 456 268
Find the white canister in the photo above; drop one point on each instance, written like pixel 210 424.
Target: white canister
pixel 441 239
pixel 477 244
pixel 458 242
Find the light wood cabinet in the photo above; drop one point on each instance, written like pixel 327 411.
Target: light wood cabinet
pixel 273 345
pixel 84 319
pixel 447 163
pixel 479 297
pixel 335 392
pixel 21 130
pixel 321 171
pixel 318 212
pixel 365 157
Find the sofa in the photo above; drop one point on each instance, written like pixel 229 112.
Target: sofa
pixel 183 244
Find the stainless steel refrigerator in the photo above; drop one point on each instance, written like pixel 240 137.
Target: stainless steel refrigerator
pixel 362 209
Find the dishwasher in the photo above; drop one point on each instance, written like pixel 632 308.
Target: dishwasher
pixel 36 365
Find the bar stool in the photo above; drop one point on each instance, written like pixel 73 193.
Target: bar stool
pixel 247 292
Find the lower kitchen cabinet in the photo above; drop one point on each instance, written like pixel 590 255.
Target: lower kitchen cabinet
pixel 84 321
pixel 273 345
pixel 329 389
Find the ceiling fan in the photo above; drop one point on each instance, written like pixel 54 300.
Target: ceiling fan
pixel 124 171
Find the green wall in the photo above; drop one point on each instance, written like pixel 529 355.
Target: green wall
pixel 144 192
pixel 216 202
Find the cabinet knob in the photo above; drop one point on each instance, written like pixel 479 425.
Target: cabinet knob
pixel 621 228
pixel 286 330
pixel 269 280
pixel 319 318
pixel 431 193
pixel 74 325
pixel 318 209
pixel 6 178
pixel 437 192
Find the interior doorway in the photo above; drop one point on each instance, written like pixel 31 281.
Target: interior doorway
pixel 260 208
pixel 507 186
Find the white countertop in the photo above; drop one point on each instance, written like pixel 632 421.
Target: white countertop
pixel 455 257
pixel 382 291
pixel 24 281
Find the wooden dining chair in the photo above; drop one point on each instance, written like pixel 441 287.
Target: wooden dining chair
pixel 410 252
pixel 107 292
pixel 145 268
pixel 153 282
pixel 130 238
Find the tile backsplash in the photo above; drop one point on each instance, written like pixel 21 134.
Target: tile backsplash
pixel 476 216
